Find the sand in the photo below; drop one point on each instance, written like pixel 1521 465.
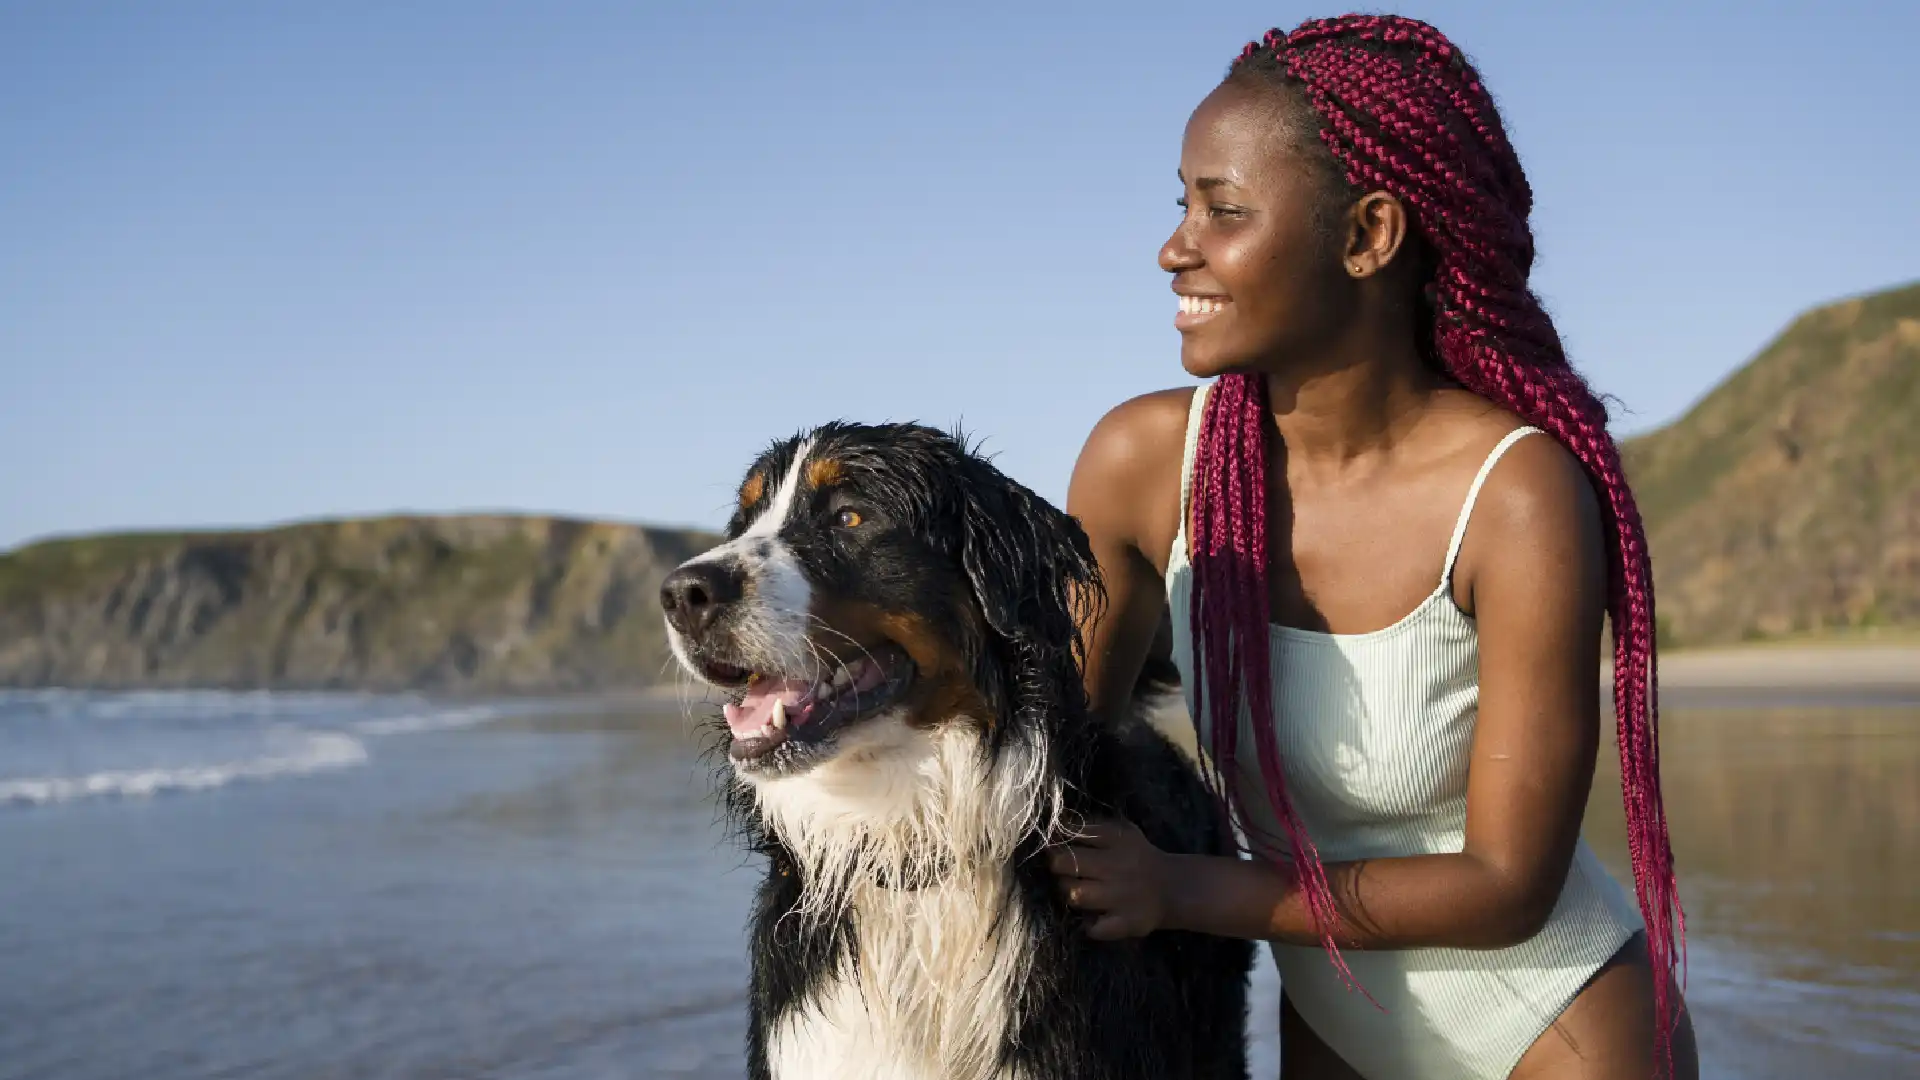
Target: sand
pixel 1808 667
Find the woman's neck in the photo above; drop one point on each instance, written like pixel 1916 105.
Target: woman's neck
pixel 1358 400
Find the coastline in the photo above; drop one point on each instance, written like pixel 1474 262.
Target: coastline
pixel 1788 674
pixel 1795 666
pixel 1801 670
pixel 1752 677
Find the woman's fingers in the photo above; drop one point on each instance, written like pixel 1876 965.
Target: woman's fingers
pixel 1063 861
pixel 1112 927
pixel 1086 895
pixel 1074 860
pixel 1102 832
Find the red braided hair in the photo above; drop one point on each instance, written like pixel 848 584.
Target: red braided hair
pixel 1402 111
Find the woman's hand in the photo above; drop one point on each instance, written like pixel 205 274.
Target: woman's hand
pixel 1112 869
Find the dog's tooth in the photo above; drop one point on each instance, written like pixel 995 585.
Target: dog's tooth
pixel 779 721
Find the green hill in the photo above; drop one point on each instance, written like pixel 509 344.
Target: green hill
pixel 1788 500
pixel 448 603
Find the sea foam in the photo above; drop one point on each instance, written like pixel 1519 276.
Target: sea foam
pixel 315 752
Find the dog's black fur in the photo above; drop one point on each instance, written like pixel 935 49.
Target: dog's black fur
pixel 948 539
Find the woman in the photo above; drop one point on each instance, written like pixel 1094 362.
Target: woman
pixel 1398 489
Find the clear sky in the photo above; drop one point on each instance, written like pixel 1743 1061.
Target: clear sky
pixel 273 261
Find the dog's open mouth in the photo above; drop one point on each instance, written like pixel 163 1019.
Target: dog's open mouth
pixel 778 710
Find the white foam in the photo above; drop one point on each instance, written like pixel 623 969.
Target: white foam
pixel 436 721
pixel 317 752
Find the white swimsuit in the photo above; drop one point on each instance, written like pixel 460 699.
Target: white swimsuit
pixel 1374 732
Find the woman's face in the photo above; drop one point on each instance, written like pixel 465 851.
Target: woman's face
pixel 1260 279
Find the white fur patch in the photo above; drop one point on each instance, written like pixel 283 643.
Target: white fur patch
pixel 937 981
pixel 773 623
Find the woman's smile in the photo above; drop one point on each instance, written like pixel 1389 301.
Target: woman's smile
pixel 1196 310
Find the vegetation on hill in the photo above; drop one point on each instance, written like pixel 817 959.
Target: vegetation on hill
pixel 1787 501
pixel 450 603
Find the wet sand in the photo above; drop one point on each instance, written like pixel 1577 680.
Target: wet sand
pixel 1800 667
pixel 1762 676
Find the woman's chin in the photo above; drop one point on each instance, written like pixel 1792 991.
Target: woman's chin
pixel 1203 363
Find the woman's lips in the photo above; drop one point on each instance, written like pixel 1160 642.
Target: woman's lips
pixel 1195 310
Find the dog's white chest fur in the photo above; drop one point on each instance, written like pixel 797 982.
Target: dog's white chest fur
pixel 930 997
pixel 936 978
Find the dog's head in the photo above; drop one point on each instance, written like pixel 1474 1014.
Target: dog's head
pixel 878 582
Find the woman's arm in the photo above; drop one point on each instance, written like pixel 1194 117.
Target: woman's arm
pixel 1125 493
pixel 1534 566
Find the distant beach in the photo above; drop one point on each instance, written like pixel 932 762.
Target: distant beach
pixel 1760 666
pixel 1836 673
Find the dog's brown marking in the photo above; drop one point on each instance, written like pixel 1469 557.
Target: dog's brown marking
pixel 823 472
pixel 751 491
pixel 943 687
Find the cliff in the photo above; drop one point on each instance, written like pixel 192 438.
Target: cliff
pixel 1787 500
pixel 494 603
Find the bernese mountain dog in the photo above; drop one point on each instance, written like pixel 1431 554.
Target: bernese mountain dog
pixel 892 623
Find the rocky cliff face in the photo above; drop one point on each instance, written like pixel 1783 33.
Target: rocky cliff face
pixel 450 604
pixel 1788 500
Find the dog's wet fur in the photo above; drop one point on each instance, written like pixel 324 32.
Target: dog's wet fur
pixel 892 622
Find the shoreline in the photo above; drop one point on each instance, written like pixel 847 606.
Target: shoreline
pixel 1825 670
pixel 1787 675
pixel 1791 666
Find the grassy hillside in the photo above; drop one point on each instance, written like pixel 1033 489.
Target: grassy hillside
pixel 1787 502
pixel 452 603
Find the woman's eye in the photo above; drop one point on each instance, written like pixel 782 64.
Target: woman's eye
pixel 849 518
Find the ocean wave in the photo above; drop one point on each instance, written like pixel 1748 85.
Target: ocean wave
pixel 199 705
pixel 436 721
pixel 317 752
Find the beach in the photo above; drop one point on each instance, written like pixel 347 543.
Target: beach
pixel 288 886
pixel 1838 668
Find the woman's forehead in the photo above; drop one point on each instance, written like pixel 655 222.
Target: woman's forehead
pixel 1240 135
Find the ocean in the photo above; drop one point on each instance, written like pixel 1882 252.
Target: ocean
pixel 211 885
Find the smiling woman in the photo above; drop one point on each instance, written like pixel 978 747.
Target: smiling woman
pixel 1386 598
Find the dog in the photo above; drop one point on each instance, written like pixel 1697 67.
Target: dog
pixel 892 622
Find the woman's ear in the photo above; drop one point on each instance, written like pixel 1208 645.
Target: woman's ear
pixel 1377 226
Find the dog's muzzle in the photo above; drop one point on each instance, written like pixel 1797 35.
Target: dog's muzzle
pixel 694 596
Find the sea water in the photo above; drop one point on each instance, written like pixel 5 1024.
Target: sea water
pixel 199 885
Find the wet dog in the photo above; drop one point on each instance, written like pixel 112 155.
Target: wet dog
pixel 892 622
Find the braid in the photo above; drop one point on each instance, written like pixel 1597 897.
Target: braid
pixel 1401 110
pixel 1229 624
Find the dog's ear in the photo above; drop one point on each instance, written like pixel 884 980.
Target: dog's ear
pixel 1029 564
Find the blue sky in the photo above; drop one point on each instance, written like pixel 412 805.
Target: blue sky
pixel 282 260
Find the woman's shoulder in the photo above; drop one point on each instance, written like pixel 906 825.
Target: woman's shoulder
pixel 1126 484
pixel 1538 492
pixel 1141 431
pixel 1538 465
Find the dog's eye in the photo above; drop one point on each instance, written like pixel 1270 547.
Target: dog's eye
pixel 849 518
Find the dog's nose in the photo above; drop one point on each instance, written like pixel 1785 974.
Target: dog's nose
pixel 695 593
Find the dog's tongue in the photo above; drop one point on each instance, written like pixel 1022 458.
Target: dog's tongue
pixel 747 718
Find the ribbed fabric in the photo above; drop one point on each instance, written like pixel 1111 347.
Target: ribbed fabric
pixel 1374 732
